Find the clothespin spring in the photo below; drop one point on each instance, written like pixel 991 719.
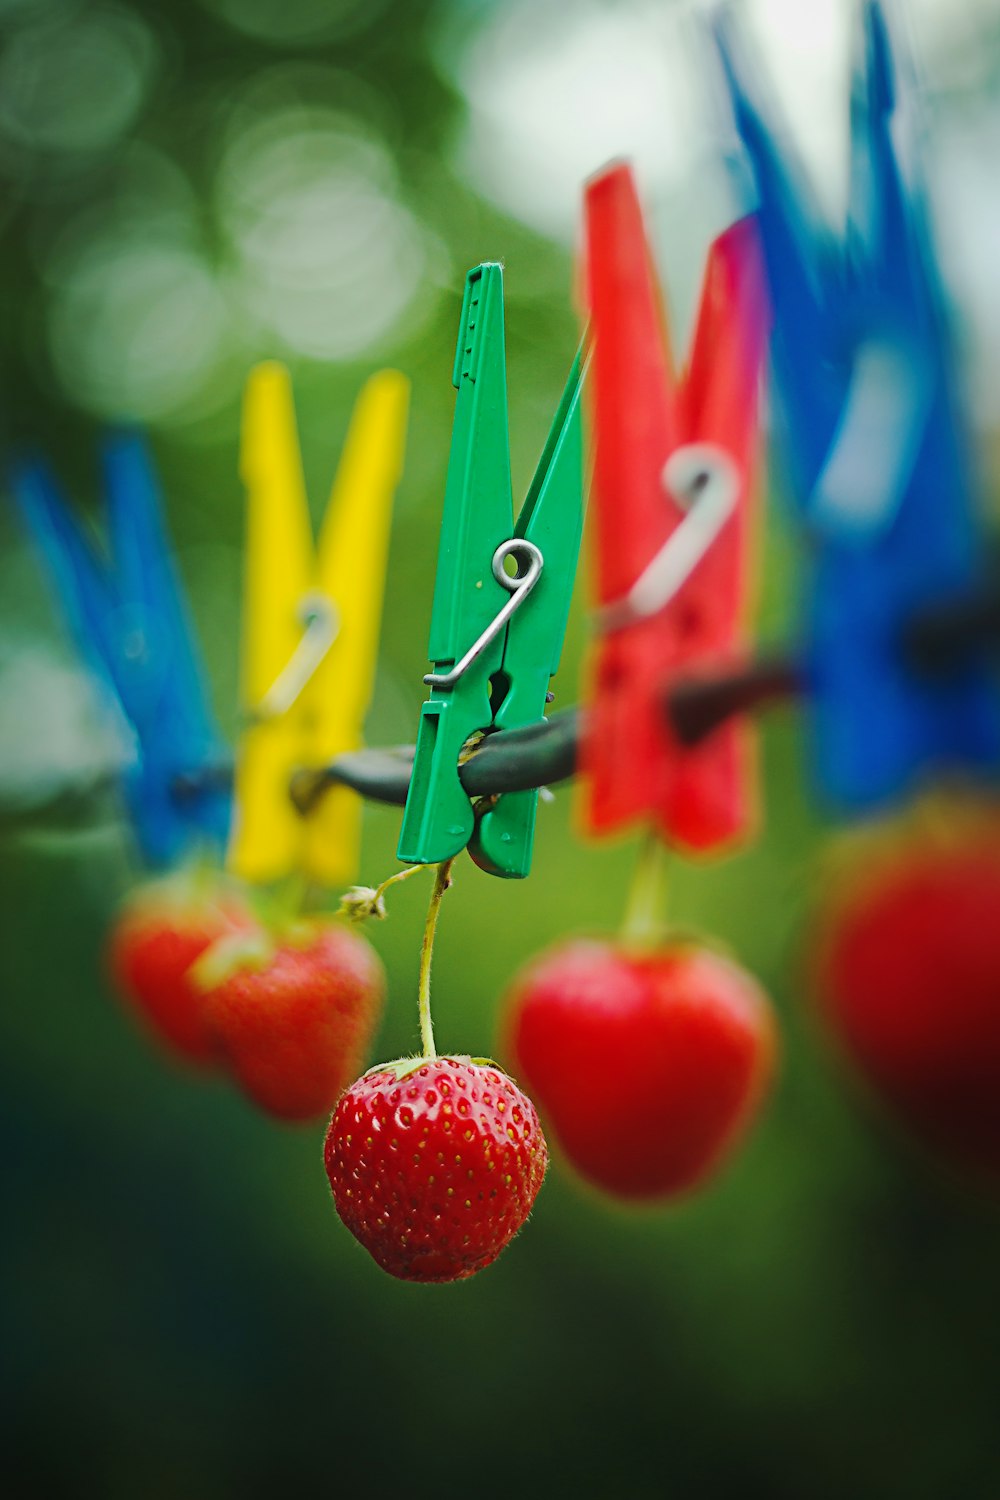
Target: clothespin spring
pixel 519 587
pixel 321 623
pixel 704 481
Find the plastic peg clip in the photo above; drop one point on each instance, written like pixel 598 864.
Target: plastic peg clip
pixel 130 623
pixel 311 623
pixel 501 598
pixel 671 522
pixel 870 426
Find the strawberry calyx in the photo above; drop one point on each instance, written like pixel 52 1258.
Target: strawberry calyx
pixel 363 903
pixel 185 892
pixel 237 952
pixel 251 950
pixel 403 1067
pixel 942 821
pixel 672 939
pixel 298 932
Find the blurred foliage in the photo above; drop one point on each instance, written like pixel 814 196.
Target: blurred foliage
pixel 188 187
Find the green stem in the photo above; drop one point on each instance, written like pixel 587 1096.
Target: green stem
pixel 287 905
pixel 203 874
pixel 314 897
pixel 403 874
pixel 643 926
pixel 442 880
pixel 201 877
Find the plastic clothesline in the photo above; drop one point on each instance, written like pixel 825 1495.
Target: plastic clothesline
pixel 546 753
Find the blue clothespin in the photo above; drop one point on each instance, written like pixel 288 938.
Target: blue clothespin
pixel 129 621
pixel 876 458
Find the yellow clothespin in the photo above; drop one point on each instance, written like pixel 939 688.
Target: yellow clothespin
pixel 311 623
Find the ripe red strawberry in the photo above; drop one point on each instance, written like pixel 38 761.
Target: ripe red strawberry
pixel 647 1065
pixel 292 1015
pixel 158 935
pixel 435 1169
pixel 907 968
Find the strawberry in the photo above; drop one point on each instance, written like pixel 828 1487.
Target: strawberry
pixel 435 1165
pixel 292 1013
pixel 158 935
pixel 907 970
pixel 647 1064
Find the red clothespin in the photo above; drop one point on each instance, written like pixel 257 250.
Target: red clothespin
pixel 671 522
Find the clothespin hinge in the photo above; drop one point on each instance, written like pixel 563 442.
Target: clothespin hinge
pixel 518 585
pixel 321 622
pixel 703 480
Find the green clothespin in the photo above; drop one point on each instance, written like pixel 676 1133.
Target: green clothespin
pixel 496 636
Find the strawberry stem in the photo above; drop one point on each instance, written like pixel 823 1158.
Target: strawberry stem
pixel 288 902
pixel 362 902
pixel 403 874
pixel 201 877
pixel 442 880
pixel 643 926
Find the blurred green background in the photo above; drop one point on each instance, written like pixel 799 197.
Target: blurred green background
pixel 187 187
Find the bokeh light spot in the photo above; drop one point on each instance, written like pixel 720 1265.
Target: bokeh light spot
pixel 136 327
pixel 297 20
pixel 327 257
pixel 75 84
pixel 554 92
pixel 64 734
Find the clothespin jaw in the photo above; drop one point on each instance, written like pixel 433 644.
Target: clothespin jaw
pixel 803 264
pixel 838 302
pixel 130 623
pixel 353 555
pixel 278 570
pixel 477 518
pixel 551 519
pixel 877 457
pixel 671 511
pixel 495 638
pixel 311 621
